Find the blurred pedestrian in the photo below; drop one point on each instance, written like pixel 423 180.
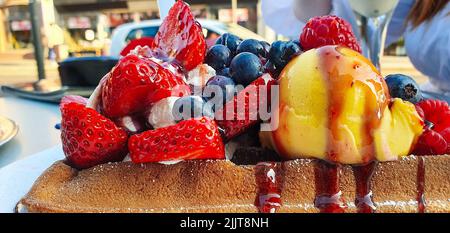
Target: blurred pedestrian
pixel 55 38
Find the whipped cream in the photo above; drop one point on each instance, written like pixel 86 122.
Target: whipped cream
pixel 199 76
pixel 127 158
pixel 132 124
pixel 160 115
pixel 171 162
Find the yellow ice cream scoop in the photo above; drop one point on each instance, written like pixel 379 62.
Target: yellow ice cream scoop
pixel 334 105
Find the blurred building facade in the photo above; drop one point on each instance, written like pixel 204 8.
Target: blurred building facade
pixel 89 23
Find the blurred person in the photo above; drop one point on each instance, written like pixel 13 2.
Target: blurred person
pixel 424 24
pixel 55 38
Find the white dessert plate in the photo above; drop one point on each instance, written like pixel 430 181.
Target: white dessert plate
pixel 8 130
pixel 17 178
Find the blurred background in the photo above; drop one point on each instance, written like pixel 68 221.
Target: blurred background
pixel 93 28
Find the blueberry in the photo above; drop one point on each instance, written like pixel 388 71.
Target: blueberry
pixel 404 87
pixel 276 52
pixel 291 50
pixel 297 42
pixel 226 86
pixel 229 40
pixel 266 47
pixel 252 46
pixel 218 57
pixel 281 53
pixel 270 68
pixel 245 68
pixel 224 72
pixel 189 107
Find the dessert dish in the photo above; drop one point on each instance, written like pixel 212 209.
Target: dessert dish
pixel 338 138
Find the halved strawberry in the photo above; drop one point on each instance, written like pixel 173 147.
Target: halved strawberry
pixel 73 99
pixel 234 121
pixel 89 138
pixel 136 83
pixel 180 37
pixel 187 140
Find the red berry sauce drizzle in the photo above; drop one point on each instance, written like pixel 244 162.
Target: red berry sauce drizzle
pixel 363 176
pixel 269 178
pixel 328 194
pixel 421 184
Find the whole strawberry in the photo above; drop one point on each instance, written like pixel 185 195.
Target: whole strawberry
pixel 435 140
pixel 89 138
pixel 180 37
pixel 328 30
pixel 137 82
pixel 187 140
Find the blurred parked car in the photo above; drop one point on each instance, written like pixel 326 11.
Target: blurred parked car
pixel 212 29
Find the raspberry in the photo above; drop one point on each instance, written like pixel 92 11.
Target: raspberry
pixel 436 112
pixel 431 143
pixel 436 138
pixel 328 30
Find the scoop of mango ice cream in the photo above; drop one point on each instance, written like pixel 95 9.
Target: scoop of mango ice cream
pixel 334 105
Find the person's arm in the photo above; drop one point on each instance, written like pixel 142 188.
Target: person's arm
pixel 306 9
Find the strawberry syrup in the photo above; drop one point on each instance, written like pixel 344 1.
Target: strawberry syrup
pixel 269 178
pixel 421 185
pixel 328 194
pixel 363 176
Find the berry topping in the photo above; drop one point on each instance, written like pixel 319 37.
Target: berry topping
pixel 224 72
pixel 226 86
pixel 281 53
pixel 73 99
pixel 251 99
pixel 218 57
pixel 252 46
pixel 431 143
pixel 189 107
pixel 266 46
pixel 136 83
pixel 245 68
pixel 404 87
pixel 436 138
pixel 328 30
pixel 231 41
pixel 180 37
pixel 187 140
pixel 89 138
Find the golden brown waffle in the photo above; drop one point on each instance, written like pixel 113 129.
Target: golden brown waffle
pixel 222 186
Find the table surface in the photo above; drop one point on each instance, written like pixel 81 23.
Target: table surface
pixel 37 131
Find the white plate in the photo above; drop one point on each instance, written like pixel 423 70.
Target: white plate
pixel 8 130
pixel 17 178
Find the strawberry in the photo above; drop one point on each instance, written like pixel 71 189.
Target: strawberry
pixel 435 140
pixel 89 138
pixel 137 82
pixel 328 30
pixel 187 140
pixel 73 99
pixel 132 45
pixel 234 122
pixel 180 37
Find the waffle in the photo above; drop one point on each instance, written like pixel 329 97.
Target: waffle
pixel 413 184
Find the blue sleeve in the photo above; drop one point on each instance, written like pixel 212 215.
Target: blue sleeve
pixel 398 25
